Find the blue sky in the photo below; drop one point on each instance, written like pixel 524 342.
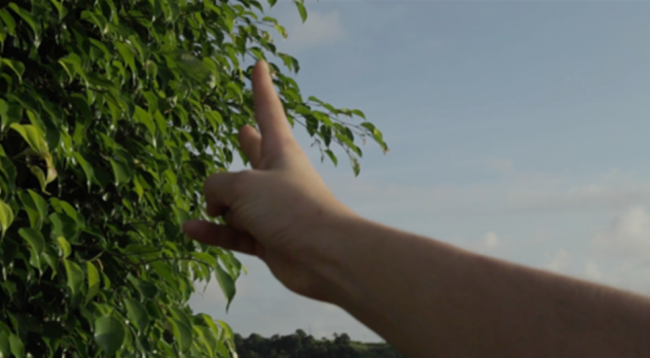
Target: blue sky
pixel 517 129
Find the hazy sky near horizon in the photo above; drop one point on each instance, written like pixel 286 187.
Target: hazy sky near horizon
pixel 517 129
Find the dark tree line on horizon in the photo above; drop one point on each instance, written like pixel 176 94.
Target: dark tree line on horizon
pixel 302 345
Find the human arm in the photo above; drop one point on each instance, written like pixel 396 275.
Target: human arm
pixel 430 299
pixel 427 298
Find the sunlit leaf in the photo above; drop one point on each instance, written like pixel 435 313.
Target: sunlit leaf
pixel 6 216
pixel 75 276
pixel 93 281
pixel 64 246
pixel 33 136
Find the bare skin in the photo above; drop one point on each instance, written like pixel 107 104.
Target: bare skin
pixel 427 298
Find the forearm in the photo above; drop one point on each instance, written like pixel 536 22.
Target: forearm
pixel 430 299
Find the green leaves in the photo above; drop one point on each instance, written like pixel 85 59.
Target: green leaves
pixel 10 112
pixel 122 172
pixel 226 283
pixel 356 167
pixel 35 206
pixel 93 281
pixel 181 328
pixel 29 19
pixel 63 226
pixel 75 276
pixel 17 67
pixel 301 9
pixel 34 238
pixel 146 289
pixel 33 137
pixel 109 121
pixel 17 346
pixel 109 334
pixel 36 244
pixel 332 157
pixel 87 168
pixel 5 348
pixel 37 146
pixel 73 66
pixel 6 217
pixel 62 10
pixel 64 246
pixel 143 117
pixel 127 55
pixel 137 314
pixel 182 334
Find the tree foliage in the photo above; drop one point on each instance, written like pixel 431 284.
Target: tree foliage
pixel 300 345
pixel 112 114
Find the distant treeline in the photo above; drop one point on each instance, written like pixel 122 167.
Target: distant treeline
pixel 302 345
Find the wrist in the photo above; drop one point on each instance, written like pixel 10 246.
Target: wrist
pixel 337 241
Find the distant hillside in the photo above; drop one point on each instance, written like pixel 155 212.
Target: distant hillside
pixel 301 345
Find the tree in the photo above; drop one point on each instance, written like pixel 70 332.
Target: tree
pixel 299 345
pixel 112 114
pixel 342 339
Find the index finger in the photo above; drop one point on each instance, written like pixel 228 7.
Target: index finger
pixel 269 112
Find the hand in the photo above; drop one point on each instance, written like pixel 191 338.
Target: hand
pixel 272 209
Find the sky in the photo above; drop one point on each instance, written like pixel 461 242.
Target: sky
pixel 517 129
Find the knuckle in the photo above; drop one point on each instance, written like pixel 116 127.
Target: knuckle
pixel 241 181
pixel 209 183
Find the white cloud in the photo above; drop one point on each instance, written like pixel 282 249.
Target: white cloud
pixel 320 29
pixel 628 234
pixel 490 241
pixel 619 254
